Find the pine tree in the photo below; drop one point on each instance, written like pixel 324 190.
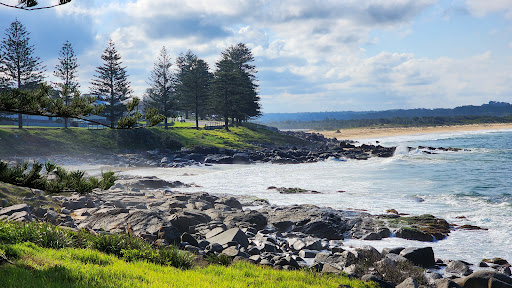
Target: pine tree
pixel 194 85
pixel 225 88
pixel 161 94
pixel 111 84
pixel 247 98
pixel 66 70
pixel 183 64
pixel 21 68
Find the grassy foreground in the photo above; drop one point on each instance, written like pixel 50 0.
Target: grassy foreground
pixel 39 267
pixel 41 141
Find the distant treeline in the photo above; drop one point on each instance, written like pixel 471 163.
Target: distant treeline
pixel 493 108
pixel 334 124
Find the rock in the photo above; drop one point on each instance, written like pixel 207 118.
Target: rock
pixel 481 278
pixel 234 234
pixel 186 237
pixel 447 283
pixel 372 236
pixel 505 269
pixel 270 247
pixel 169 233
pixel 230 202
pixel 419 256
pixel 396 258
pixel 458 267
pixel 408 283
pixel 313 244
pixel 214 247
pixel 495 283
pixel 414 234
pixel 5 203
pixel 378 280
pixel 231 251
pixel 498 261
pixel 395 250
pixel 367 253
pixel 331 268
pixel 214 232
pixel 305 253
pixel 187 219
pixel 8 211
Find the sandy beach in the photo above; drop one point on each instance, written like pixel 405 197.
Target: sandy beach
pixel 371 133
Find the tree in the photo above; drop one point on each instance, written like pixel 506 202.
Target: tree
pixel 111 84
pixel 194 85
pixel 247 98
pixel 224 90
pixel 31 4
pixel 66 70
pixel 161 94
pixel 19 65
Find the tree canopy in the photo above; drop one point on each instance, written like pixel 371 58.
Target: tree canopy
pixel 161 94
pixel 110 85
pixel 33 4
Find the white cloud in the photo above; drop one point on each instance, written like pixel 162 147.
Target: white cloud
pixel 481 8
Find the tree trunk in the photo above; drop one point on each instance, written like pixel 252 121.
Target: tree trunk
pixel 20 121
pixel 166 125
pixel 226 123
pixel 65 122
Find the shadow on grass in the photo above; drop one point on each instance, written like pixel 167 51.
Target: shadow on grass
pixel 15 276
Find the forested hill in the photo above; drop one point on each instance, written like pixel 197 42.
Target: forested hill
pixel 493 108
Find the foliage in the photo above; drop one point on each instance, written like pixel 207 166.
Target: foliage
pixel 66 70
pixel 54 180
pixel 22 68
pixel 110 84
pixel 33 5
pixel 193 84
pixel 129 248
pixel 41 267
pixel 220 259
pixel 161 95
pixel 235 93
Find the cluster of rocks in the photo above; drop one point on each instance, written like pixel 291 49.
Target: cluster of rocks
pixel 285 237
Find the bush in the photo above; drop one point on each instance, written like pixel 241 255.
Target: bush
pixel 55 179
pixel 121 245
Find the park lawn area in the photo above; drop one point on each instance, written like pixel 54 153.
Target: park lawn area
pixel 44 141
pixel 70 267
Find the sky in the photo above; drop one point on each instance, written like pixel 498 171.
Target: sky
pixel 311 55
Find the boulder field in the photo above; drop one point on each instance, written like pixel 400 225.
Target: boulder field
pixel 285 237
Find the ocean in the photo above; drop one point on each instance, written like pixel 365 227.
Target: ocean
pixel 471 186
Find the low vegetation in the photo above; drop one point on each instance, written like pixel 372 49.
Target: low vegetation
pixel 42 141
pixel 55 179
pixel 40 255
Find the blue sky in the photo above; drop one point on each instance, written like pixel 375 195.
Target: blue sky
pixel 312 55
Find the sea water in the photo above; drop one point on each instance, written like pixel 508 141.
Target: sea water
pixel 471 186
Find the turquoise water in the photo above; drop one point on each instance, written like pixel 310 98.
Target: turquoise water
pixel 475 183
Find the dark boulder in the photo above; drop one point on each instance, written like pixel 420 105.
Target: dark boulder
pixel 481 279
pixel 423 257
pixel 231 235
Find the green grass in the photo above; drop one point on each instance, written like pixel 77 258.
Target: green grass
pixel 43 255
pixel 42 141
pixel 41 267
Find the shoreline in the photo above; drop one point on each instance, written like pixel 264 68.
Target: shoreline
pixel 373 132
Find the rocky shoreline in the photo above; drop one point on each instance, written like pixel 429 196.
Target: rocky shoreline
pixel 285 237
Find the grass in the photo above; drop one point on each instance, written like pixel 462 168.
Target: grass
pixel 42 267
pixel 43 141
pixel 44 255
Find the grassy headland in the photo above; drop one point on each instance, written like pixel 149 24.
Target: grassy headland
pixel 41 141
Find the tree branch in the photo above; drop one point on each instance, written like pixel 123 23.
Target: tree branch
pixel 30 8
